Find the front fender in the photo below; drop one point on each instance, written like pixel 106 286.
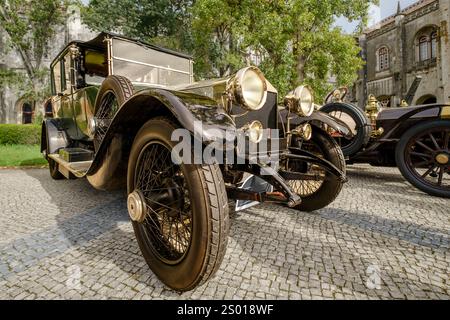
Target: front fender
pixel 393 120
pixel 186 108
pixel 319 118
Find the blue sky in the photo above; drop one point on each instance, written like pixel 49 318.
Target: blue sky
pixel 386 8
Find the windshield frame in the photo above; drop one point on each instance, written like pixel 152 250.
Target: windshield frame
pixel 112 57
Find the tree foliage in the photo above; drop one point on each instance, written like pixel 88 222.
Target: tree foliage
pixel 297 39
pixel 164 22
pixel 30 26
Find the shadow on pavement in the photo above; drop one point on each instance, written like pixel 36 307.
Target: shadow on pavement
pixel 94 222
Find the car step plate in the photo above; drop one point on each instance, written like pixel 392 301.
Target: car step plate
pixel 78 169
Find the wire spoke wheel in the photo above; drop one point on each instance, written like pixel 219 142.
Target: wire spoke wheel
pixel 105 114
pixel 319 188
pixel 427 156
pixel 179 211
pixel 306 188
pixel 113 93
pixel 168 222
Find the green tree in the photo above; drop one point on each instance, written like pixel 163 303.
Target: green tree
pixel 163 22
pixel 216 27
pixel 296 38
pixel 30 25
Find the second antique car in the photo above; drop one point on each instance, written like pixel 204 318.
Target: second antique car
pixel 416 139
pixel 117 105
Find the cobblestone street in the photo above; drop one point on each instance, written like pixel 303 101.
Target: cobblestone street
pixel 381 239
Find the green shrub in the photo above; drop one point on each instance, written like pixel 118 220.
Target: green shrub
pixel 20 134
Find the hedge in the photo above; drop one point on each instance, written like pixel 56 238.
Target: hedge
pixel 20 134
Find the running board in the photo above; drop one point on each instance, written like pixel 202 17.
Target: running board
pixel 78 169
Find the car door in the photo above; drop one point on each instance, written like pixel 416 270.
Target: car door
pixel 67 106
pixel 57 71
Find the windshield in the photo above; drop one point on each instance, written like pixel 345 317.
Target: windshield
pixel 144 65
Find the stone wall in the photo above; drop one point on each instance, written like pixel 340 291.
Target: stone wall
pixel 399 34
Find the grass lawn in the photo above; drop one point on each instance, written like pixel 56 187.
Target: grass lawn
pixel 21 155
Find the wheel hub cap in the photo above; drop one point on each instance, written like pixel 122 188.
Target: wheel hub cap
pixel 136 206
pixel 442 158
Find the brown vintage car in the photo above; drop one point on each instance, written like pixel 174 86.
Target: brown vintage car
pixel 416 139
pixel 117 105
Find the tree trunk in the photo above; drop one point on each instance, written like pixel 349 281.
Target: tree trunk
pixel 2 107
pixel 301 61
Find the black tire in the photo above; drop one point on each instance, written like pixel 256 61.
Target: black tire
pixel 327 190
pixel 416 157
pixel 208 215
pixel 361 126
pixel 54 172
pixel 114 91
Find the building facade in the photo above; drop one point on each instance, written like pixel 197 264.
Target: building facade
pixel 412 44
pixel 14 109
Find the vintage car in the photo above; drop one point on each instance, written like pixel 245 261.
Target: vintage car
pixel 117 105
pixel 413 138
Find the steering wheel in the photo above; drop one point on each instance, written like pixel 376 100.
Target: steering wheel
pixel 337 95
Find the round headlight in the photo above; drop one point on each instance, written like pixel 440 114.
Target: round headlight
pixel 255 131
pixel 250 88
pixel 304 96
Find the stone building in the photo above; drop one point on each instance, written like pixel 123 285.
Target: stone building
pixel 13 109
pixel 412 43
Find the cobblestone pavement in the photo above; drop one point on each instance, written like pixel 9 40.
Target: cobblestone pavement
pixel 381 239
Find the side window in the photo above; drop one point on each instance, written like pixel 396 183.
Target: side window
pixel 67 72
pixel 57 77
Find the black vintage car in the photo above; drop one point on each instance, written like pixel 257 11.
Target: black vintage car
pixel 118 104
pixel 413 138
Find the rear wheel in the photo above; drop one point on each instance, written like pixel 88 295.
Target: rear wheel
pixel 423 157
pixel 323 187
pixel 54 172
pixel 179 212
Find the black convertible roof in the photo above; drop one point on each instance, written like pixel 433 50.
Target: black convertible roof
pixel 99 43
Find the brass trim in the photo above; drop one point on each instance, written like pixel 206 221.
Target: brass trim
pixel 445 113
pixel 442 158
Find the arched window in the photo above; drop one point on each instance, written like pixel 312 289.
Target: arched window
pixel 383 59
pixel 427 99
pixel 48 109
pixel 434 45
pixel 423 48
pixel 27 113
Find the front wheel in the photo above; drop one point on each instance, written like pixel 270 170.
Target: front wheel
pixel 179 212
pixel 423 157
pixel 322 187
